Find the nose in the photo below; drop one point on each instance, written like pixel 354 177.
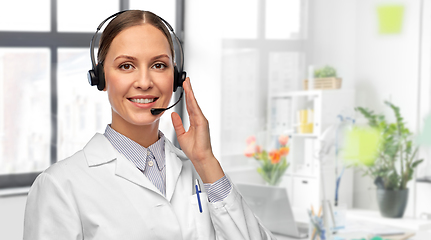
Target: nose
pixel 143 80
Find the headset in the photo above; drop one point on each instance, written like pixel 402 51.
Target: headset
pixel 96 76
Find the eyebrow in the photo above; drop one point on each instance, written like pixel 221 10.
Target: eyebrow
pixel 125 56
pixel 163 55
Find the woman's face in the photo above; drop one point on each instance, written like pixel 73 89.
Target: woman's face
pixel 139 75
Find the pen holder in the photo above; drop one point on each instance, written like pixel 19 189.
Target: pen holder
pixel 316 229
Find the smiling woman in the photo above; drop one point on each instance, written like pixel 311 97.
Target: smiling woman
pixel 139 76
pixel 133 166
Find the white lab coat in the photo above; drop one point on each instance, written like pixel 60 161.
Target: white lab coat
pixel 98 194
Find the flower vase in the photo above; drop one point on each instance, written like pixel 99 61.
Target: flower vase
pixel 273 164
pixel 273 173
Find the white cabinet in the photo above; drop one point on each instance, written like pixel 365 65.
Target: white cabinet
pixel 303 177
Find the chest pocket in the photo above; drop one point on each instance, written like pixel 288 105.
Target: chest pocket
pixel 203 224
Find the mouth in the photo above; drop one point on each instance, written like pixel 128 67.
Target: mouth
pixel 143 100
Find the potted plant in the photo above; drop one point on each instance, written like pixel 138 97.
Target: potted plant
pixel 272 164
pixel 393 164
pixel 324 78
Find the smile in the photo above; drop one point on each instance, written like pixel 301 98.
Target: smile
pixel 142 100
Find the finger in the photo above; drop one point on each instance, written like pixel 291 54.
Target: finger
pixel 191 102
pixel 178 124
pixel 188 91
pixel 189 99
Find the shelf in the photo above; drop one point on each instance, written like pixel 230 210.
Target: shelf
pixel 424 180
pixel 296 94
pixel 308 93
pixel 299 135
pixel 284 117
pixel 14 191
pixel 305 135
pixel 311 176
pixel 302 135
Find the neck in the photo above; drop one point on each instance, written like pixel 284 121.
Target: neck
pixel 144 135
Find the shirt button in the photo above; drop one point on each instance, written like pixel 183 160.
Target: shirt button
pixel 150 163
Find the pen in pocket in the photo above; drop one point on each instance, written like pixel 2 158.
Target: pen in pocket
pixel 198 190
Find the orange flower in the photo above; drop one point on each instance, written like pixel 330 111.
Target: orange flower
pixel 284 151
pixel 283 139
pixel 258 149
pixel 274 156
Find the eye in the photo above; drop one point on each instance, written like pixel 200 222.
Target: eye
pixel 159 66
pixel 126 66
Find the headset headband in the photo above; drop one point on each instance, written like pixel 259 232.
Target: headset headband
pixel 93 61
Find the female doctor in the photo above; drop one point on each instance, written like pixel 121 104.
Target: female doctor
pixel 131 182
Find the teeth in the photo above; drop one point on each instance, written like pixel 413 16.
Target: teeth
pixel 142 100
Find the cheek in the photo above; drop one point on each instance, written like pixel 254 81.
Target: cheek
pixel 166 83
pixel 114 87
pixel 170 86
pixel 168 90
pixel 115 81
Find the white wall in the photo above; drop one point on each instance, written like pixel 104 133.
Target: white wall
pixel 332 37
pixel 203 38
pixel 12 217
pixel 379 67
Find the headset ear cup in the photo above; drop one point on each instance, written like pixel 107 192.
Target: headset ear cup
pixel 101 77
pixel 179 78
pixel 92 78
pixel 182 77
pixel 176 78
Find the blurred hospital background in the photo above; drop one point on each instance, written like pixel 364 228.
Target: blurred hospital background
pixel 247 60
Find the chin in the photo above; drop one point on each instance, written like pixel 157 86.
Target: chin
pixel 148 120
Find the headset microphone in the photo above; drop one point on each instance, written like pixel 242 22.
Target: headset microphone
pixel 157 111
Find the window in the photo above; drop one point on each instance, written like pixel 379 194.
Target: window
pixel 25 96
pixel 237 53
pixel 264 55
pixel 48 111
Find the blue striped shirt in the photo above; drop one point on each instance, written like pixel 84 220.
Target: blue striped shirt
pixel 152 162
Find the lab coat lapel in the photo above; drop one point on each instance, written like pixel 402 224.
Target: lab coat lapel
pixel 174 166
pixel 127 170
pixel 100 151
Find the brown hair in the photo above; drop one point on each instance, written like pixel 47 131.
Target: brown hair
pixel 129 19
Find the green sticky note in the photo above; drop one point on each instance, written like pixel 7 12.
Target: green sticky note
pixel 390 18
pixel 361 146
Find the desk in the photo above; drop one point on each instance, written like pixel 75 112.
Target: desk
pixel 282 237
pixel 407 223
pixel 362 223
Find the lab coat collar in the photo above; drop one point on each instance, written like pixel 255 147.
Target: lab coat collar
pixel 99 151
pixel 174 164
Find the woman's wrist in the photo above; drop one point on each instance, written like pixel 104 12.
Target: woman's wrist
pixel 209 170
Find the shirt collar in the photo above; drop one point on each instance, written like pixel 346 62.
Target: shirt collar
pixel 135 152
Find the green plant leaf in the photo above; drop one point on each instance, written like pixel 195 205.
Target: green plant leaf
pixel 326 71
pixel 394 162
pixel 416 163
